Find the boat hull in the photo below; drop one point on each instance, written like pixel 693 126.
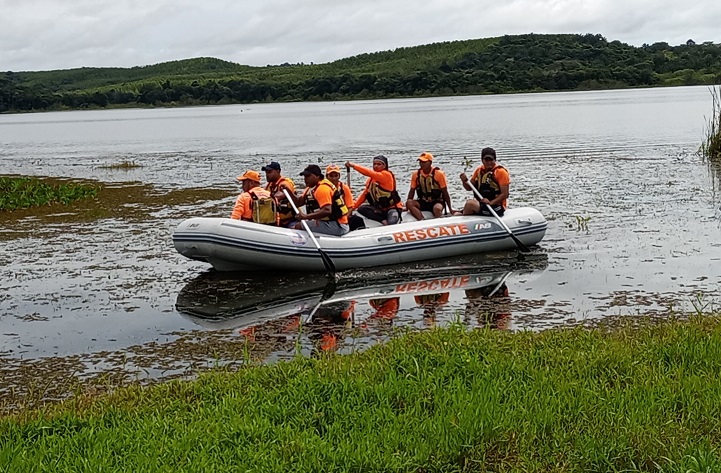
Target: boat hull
pixel 232 245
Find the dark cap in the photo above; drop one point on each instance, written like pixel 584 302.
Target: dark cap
pixel 272 165
pixel 488 152
pixel 312 169
pixel 380 157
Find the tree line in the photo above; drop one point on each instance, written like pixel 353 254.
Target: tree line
pixel 507 64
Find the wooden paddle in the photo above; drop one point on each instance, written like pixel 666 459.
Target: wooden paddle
pixel 327 262
pixel 519 243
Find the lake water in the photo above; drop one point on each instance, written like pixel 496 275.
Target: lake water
pixel 634 226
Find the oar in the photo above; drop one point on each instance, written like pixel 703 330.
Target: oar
pixel 328 292
pixel 519 243
pixel 327 262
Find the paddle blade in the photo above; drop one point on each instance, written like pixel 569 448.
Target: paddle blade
pixel 328 263
pixel 520 244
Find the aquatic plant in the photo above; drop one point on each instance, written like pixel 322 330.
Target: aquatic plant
pixel 123 165
pixel 711 148
pixel 24 192
pixel 582 223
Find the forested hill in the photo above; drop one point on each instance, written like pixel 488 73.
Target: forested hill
pixel 522 63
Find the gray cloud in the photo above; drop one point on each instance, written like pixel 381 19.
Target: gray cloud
pixel 48 34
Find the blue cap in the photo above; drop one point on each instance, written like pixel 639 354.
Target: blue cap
pixel 272 165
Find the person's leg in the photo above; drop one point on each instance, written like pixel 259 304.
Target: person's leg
pixel 369 212
pixel 472 207
pixel 415 209
pixel 438 209
pixel 327 227
pixel 394 216
pixel 356 222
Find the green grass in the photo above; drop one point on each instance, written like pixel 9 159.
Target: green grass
pixel 24 192
pixel 636 398
pixel 711 148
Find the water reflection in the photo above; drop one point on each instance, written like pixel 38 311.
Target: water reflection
pixel 307 314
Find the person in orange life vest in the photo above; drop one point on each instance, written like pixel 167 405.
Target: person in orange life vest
pixel 384 204
pixel 243 209
pixel 274 179
pixel 430 184
pixel 326 211
pixel 332 173
pixel 492 181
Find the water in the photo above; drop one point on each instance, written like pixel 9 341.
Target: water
pixel 634 224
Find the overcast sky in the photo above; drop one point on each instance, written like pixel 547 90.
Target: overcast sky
pixel 62 34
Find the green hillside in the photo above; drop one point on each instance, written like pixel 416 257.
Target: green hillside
pixel 522 63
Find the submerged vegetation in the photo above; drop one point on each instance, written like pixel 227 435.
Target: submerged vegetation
pixel 22 197
pixel 521 63
pixel 25 192
pixel 126 164
pixel 640 397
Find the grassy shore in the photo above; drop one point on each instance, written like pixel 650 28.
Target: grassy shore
pixel 635 398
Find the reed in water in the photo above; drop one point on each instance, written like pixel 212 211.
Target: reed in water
pixel 711 148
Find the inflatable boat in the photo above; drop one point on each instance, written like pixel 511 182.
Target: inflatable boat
pixel 234 245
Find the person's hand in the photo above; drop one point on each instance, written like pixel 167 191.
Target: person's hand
pixel 464 178
pixel 348 165
pixel 301 216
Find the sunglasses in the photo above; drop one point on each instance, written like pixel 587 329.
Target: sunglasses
pixel 487 159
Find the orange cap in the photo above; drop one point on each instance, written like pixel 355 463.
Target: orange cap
pixel 425 157
pixel 249 176
pixel 332 168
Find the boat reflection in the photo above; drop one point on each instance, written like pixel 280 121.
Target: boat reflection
pixel 307 312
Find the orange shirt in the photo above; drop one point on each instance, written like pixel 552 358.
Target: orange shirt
pixel 500 175
pixel 384 179
pixel 243 209
pixel 324 196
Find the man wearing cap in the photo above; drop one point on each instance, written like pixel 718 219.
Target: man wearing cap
pixel 325 209
pixel 332 173
pixel 243 209
pixel 274 180
pixel 492 181
pixel 430 184
pixel 384 204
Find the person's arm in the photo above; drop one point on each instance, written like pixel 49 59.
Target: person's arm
pixel 500 197
pixel 380 177
pixel 504 182
pixel 362 197
pixel 447 200
pixel 324 196
pixel 239 207
pixel 412 190
pixel 299 201
pixel 465 180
